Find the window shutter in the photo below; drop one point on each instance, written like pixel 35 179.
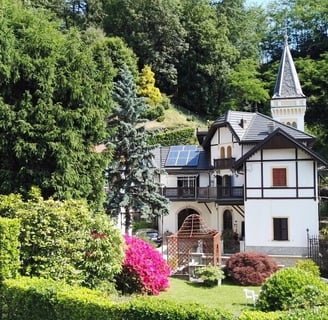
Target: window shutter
pixel 279 177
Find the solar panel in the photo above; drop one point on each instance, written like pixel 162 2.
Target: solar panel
pixel 182 156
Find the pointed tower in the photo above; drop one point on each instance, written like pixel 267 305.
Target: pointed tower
pixel 288 103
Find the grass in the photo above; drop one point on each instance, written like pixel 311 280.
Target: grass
pixel 175 119
pixel 228 296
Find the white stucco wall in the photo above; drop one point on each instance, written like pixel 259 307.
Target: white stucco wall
pixel 302 214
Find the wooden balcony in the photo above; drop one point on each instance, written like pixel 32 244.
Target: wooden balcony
pixel 226 163
pixel 219 194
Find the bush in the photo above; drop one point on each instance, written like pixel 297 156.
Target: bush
pixel 292 288
pixel 151 308
pixel 57 240
pixel 45 299
pixel 144 270
pixel 210 275
pixel 259 315
pixel 176 137
pixel 9 248
pixel 309 266
pixel 250 268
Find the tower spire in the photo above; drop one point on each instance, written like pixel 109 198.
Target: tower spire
pixel 288 103
pixel 287 83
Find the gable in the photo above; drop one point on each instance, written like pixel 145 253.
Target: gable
pixel 278 140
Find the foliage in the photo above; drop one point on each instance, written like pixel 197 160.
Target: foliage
pixel 144 269
pixel 147 87
pixel 172 138
pixel 250 268
pixel 103 253
pixel 51 114
pixel 151 308
pixel 131 172
pixel 309 266
pixel 260 315
pixel 296 18
pixel 33 298
pixel 36 298
pixel 9 248
pixel 292 288
pixel 246 88
pixel 79 13
pixel 56 240
pixel 153 30
pixel 210 275
pixel 204 67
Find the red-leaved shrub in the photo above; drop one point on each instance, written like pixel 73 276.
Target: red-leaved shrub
pixel 144 270
pixel 250 268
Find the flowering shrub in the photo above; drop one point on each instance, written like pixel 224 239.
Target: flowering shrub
pixel 144 270
pixel 250 268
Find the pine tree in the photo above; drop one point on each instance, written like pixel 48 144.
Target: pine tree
pixel 131 174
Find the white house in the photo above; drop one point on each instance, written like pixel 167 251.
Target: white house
pixel 251 174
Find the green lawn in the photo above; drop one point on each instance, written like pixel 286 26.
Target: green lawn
pixel 228 296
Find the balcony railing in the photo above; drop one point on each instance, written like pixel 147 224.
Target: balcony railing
pixel 226 163
pixel 204 193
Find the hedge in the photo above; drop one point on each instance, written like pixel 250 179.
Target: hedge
pixel 318 313
pixel 44 299
pixel 183 136
pixel 9 248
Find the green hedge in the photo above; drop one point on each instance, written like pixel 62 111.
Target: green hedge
pixel 9 248
pixel 177 137
pixel 44 299
pixel 259 315
pixel 318 313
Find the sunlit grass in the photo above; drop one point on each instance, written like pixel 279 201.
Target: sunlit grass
pixel 228 296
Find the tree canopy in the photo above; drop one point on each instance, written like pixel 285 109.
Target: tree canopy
pixel 54 96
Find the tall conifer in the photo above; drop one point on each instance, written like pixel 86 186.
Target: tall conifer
pixel 132 178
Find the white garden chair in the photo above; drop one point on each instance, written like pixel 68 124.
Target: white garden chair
pixel 250 295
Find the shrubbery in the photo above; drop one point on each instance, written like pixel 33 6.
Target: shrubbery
pixel 309 266
pixel 144 270
pixel 45 299
pixel 250 268
pixel 210 275
pixel 9 248
pixel 292 288
pixel 58 240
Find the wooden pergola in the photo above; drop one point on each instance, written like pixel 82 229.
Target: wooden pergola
pixel 193 245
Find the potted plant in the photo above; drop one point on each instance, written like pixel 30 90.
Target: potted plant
pixel 211 275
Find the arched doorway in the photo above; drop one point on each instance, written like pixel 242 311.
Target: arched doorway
pixel 227 220
pixel 182 215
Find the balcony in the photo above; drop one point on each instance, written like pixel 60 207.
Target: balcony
pixel 226 163
pixel 224 195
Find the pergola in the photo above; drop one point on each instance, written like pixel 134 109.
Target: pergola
pixel 194 244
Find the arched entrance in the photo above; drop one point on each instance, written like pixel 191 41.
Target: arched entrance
pixel 229 237
pixel 227 220
pixel 182 215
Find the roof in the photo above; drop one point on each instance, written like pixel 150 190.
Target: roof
pixel 287 83
pixel 194 226
pixel 252 127
pixel 273 141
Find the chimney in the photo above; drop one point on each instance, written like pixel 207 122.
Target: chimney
pixel 270 126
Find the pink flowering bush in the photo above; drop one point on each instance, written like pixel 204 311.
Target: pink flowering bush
pixel 144 270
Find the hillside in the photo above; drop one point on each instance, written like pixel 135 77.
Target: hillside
pixel 176 118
